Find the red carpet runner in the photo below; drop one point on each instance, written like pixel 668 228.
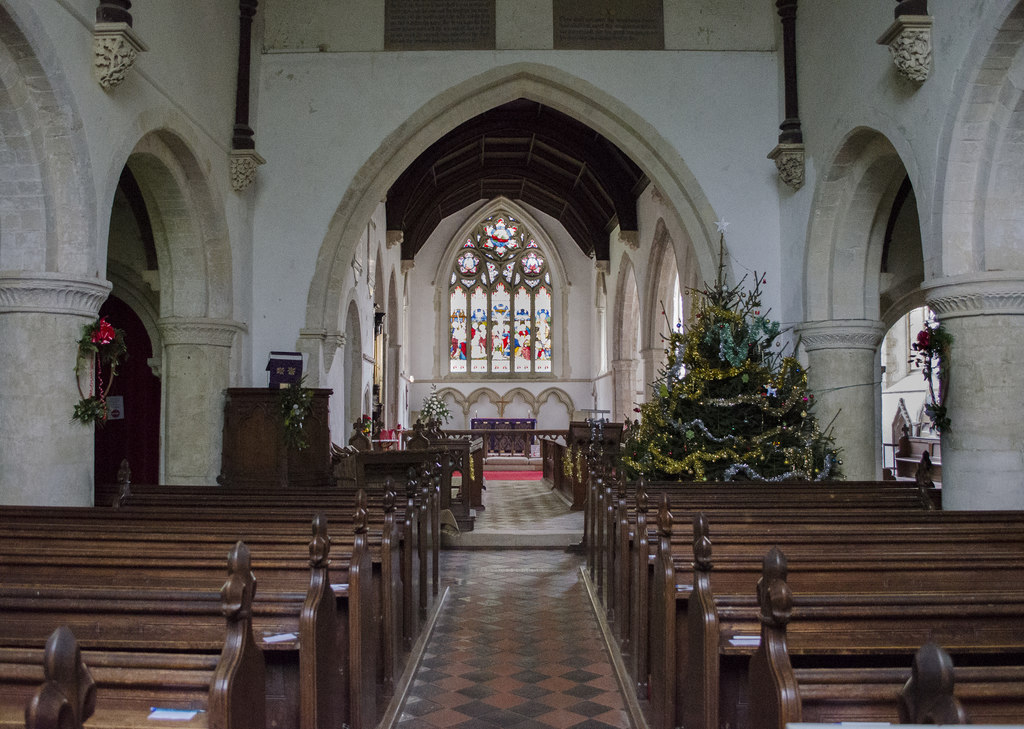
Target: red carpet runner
pixel 514 475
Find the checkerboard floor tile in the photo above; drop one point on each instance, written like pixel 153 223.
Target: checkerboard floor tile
pixel 517 646
pixel 516 643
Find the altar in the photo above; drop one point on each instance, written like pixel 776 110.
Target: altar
pixel 502 442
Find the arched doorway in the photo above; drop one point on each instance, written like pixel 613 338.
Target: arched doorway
pixel 133 430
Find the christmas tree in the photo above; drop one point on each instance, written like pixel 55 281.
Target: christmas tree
pixel 729 405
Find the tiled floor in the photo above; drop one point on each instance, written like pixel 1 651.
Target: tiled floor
pixel 522 514
pixel 516 643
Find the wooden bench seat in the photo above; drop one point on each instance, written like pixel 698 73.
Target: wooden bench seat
pixel 228 687
pixel 886 597
pixel 163 594
pixel 883 685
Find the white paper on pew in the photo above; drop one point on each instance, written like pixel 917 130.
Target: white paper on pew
pixel 279 637
pixel 338 586
pixel 157 713
pixel 748 640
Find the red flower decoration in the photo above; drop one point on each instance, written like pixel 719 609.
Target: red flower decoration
pixel 104 333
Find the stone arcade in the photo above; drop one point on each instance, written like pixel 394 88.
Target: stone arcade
pixel 301 175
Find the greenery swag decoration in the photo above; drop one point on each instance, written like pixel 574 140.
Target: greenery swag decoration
pixel 100 347
pixel 295 404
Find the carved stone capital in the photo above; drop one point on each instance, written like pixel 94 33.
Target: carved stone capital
pixel 243 168
pixel 394 238
pixel 327 344
pixel 603 267
pixel 630 239
pixel 910 42
pixel 841 334
pixel 407 265
pixel 199 331
pixel 115 46
pixel 994 292
pixel 51 293
pixel 789 161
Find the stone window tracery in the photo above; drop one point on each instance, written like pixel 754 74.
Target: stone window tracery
pixel 500 299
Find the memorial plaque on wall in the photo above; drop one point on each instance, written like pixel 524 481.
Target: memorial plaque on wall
pixel 617 25
pixel 420 25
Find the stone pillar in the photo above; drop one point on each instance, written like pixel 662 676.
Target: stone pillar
pixel 624 388
pixel 196 371
pixel 983 450
pixel 653 359
pixel 844 375
pixel 45 457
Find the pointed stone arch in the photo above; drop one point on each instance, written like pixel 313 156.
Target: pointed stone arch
pixel 980 206
pixel 562 91
pixel 842 331
pixel 559 280
pixel 51 283
pixel 189 229
pixel 976 275
pixel 629 326
pixel 53 227
pixel 852 201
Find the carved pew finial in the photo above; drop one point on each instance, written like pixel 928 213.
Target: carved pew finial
pixel 320 544
pixel 124 484
pixel 238 592
pixel 773 685
pixel 641 496
pixel 927 698
pixel 664 518
pixel 389 494
pixel 238 688
pixel 68 696
pixel 361 517
pixel 773 593
pixel 701 544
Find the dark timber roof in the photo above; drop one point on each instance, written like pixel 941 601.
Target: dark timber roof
pixel 526 152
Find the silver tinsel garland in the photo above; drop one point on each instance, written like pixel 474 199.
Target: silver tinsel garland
pixel 731 471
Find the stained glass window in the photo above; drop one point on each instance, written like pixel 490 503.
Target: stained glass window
pixel 500 301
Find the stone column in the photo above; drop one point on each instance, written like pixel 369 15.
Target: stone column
pixel 196 371
pixel 45 457
pixel 624 387
pixel 983 450
pixel 653 361
pixel 844 374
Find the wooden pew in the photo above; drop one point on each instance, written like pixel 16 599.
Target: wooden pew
pixel 121 687
pixel 176 578
pixel 872 588
pixel 165 512
pixel 630 538
pixel 881 687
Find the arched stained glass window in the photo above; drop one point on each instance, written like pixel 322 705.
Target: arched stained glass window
pixel 500 301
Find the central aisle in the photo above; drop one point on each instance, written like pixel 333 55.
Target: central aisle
pixel 516 644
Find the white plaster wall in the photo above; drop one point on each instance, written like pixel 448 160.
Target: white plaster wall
pixel 719 110
pixel 358 25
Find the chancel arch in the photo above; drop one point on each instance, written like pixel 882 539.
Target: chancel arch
pixel 609 116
